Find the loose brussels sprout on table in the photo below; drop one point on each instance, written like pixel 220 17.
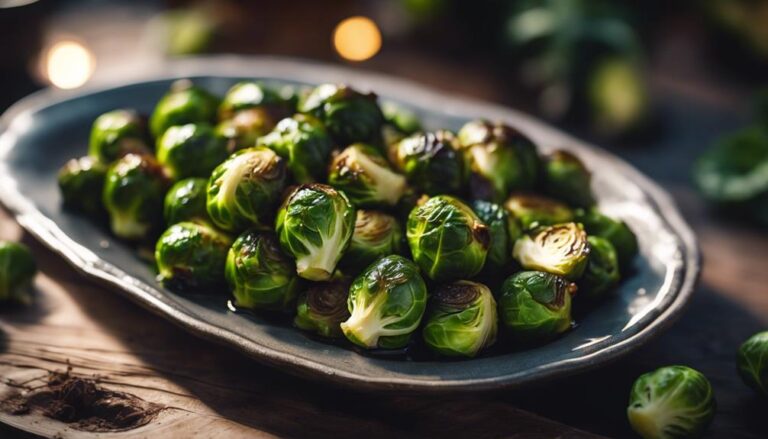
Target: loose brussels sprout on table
pixel 752 361
pixel 531 211
pixel 350 116
pixel 561 249
pixel 191 256
pixel 602 271
pixel 184 103
pixel 362 173
pixel 117 133
pixel 503 232
pixel 323 307
pixel 376 234
pixel 617 232
pixel 566 178
pixel 185 201
pixel 81 181
pixel 303 141
pixel 17 271
pixel 430 161
pixel 191 150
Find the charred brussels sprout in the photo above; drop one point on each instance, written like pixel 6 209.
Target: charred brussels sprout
pixel 191 256
pixel 561 249
pixel 536 306
pixel 461 319
pixel 117 133
pixel 244 189
pixel 184 103
pixel 365 176
pixel 533 210
pixel 315 226
pixel 185 201
pixel 616 231
pixel 447 239
pixel 602 272
pixel 350 116
pixel 81 181
pixel 499 159
pixel 304 143
pixel 322 308
pixel 244 129
pixel 191 150
pixel 386 303
pixel 250 95
pixel 430 161
pixel 671 402
pixel 752 360
pixel 566 178
pixel 259 274
pixel 503 232
pixel 133 196
pixel 376 234
pixel 17 270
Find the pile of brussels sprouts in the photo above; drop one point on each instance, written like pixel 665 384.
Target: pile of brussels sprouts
pixel 347 215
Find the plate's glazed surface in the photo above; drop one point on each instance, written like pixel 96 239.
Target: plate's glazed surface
pixel 43 131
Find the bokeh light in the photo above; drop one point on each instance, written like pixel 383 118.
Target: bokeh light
pixel 357 38
pixel 68 64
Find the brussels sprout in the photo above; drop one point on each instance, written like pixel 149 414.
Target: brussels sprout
pixel 499 159
pixel 303 141
pixel 430 162
pixel 752 360
pixel 185 201
pixel 191 150
pixel 350 116
pixel 617 93
pixel 248 95
pixel 447 239
pixel 184 103
pixel 503 232
pixel 243 190
pixel 365 176
pixel 533 210
pixel 117 133
pixel 535 306
pixel 191 256
pixel 133 196
pixel 671 402
pixel 315 226
pixel 386 303
pixel 401 119
pixel 602 272
pixel 322 308
pixel 244 129
pixel 376 234
pixel 566 178
pixel 79 180
pixel 259 274
pixel 17 270
pixel 461 319
pixel 562 249
pixel 615 231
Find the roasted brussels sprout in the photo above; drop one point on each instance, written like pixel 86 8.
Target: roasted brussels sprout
pixel 430 161
pixel 447 239
pixel 185 201
pixel 562 249
pixel 191 150
pixel 244 189
pixel 365 176
pixel 322 308
pixel 567 179
pixel 499 159
pixel 535 306
pixel 671 402
pixel 259 274
pixel 184 103
pixel 117 133
pixel 315 226
pixel 304 143
pixel 81 179
pixel 350 116
pixel 133 196
pixel 17 271
pixel 752 360
pixel 401 119
pixel 191 256
pixel 534 210
pixel 615 231
pixel 386 303
pixel 244 129
pixel 503 232
pixel 376 234
pixel 602 271
pixel 248 95
pixel 461 319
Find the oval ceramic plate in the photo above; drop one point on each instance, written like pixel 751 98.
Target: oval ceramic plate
pixel 43 131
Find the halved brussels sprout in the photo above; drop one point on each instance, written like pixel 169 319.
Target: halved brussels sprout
pixel 244 128
pixel 566 178
pixel 447 239
pixel 534 210
pixel 185 201
pixel 430 161
pixel 117 133
pixel 350 116
pixel 503 232
pixel 81 179
pixel 184 103
pixel 191 256
pixel 461 319
pixel 304 143
pixel 248 95
pixel 315 226
pixel 671 402
pixel 499 159
pixel 615 231
pixel 386 303
pixel 536 306
pixel 133 195
pixel 259 274
pixel 602 272
pixel 17 271
pixel 562 249
pixel 243 191
pixel 365 176
pixel 191 150
pixel 752 360
pixel 323 307
pixel 376 234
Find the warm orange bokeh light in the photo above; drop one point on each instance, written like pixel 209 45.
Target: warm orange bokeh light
pixel 357 38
